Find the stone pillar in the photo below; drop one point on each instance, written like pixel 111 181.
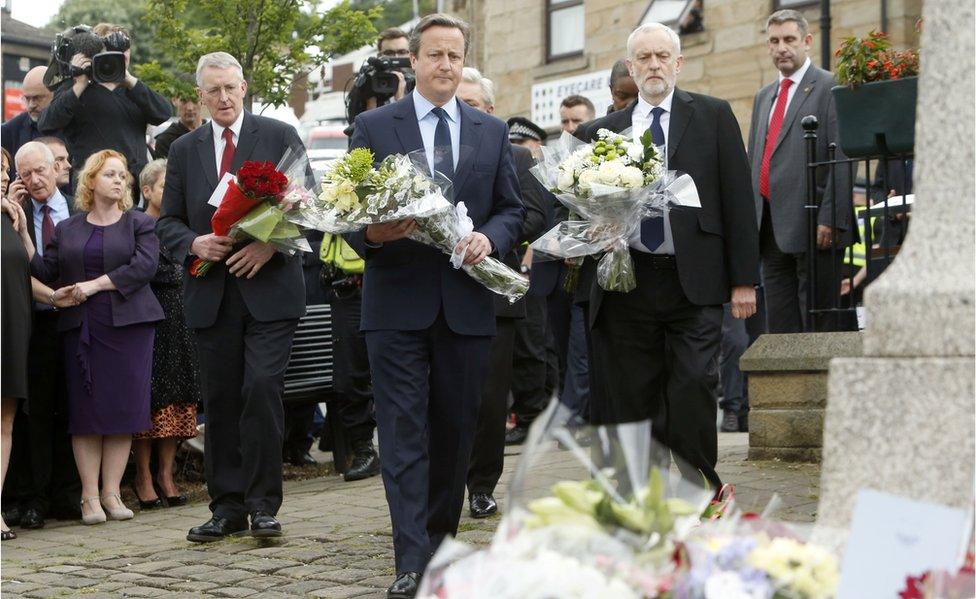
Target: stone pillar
pixel 900 418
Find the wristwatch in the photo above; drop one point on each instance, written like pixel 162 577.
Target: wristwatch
pixel 51 298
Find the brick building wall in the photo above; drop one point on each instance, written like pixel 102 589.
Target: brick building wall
pixel 728 59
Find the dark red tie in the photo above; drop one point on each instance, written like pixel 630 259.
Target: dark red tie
pixel 772 134
pixel 228 156
pixel 47 226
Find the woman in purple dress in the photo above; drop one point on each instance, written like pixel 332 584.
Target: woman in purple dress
pixel 108 253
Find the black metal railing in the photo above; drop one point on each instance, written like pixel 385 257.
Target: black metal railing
pixel 837 276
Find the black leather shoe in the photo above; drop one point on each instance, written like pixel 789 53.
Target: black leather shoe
pixel 12 516
pixel 302 458
pixel 365 462
pixel 151 504
pixel 68 513
pixel 516 436
pixel 482 505
pixel 730 423
pixel 32 518
pixel 264 525
pixel 404 587
pixel 215 529
pixel 176 501
pixel 744 423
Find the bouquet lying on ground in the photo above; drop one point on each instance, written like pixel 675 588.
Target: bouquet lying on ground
pixel 355 194
pixel 748 556
pixel 592 512
pixel 256 203
pixel 609 186
pixel 599 512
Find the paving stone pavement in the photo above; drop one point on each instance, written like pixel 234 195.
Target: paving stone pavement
pixel 338 541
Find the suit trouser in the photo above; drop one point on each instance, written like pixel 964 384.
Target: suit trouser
pixel 576 384
pixel 735 341
pixel 656 356
pixel 351 368
pixel 427 387
pixel 488 454
pixel 559 307
pixel 242 369
pixel 786 282
pixel 42 467
pixel 531 362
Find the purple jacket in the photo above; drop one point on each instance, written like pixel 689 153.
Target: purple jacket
pixel 130 253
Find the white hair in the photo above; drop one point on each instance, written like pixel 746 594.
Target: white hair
pixel 473 75
pixel 648 27
pixel 217 60
pixel 35 147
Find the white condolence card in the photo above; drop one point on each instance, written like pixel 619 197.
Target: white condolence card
pixel 893 538
pixel 218 194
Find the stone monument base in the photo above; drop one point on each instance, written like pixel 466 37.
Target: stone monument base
pixel 899 425
pixel 788 392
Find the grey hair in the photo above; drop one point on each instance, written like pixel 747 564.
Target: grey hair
pixel 151 172
pixel 785 16
pixel 473 75
pixel 33 147
pixel 438 20
pixel 217 60
pixel 647 27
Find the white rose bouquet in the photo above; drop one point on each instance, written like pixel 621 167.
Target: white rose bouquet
pixel 609 186
pixel 355 194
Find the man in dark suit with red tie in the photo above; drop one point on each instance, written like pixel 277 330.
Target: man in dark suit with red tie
pixel 655 348
pixel 244 311
pixel 428 325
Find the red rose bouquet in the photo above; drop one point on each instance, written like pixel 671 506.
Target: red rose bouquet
pixel 255 204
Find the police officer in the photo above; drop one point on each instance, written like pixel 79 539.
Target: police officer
pixel 342 274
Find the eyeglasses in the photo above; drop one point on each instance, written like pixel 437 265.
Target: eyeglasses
pixel 231 89
pixel 395 53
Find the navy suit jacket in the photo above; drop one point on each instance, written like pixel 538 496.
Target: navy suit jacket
pixel 407 284
pixel 130 253
pixel 277 292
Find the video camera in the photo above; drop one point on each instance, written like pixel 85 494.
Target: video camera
pixel 106 54
pixel 376 79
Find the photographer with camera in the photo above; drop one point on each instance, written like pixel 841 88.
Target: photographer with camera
pixel 98 104
pixel 383 78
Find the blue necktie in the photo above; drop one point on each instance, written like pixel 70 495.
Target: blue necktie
pixel 443 150
pixel 652 229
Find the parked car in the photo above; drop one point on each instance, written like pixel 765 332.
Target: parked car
pixel 326 142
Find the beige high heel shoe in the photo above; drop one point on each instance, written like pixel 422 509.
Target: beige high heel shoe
pixel 122 513
pixel 95 517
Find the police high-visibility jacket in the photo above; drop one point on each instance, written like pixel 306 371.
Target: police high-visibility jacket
pixel 856 255
pixel 336 251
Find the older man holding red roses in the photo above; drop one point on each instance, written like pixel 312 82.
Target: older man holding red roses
pixel 244 311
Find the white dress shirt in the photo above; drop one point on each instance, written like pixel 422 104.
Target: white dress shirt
pixel 218 137
pixel 796 78
pixel 641 122
pixel 428 126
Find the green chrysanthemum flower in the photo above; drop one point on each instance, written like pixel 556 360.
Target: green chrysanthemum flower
pixel 358 164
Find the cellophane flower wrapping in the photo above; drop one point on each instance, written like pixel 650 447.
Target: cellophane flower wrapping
pixel 609 186
pixel 591 512
pixel 354 195
pixel 256 203
pixel 747 556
